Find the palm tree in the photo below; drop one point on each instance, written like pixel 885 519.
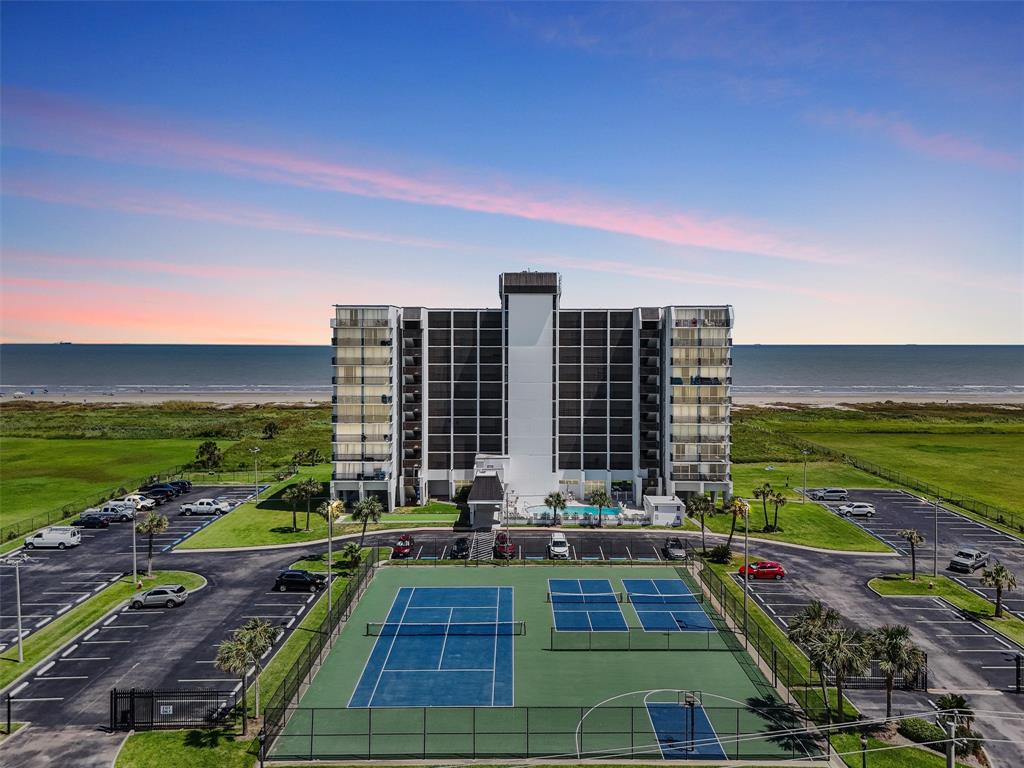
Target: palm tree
pixel 351 554
pixel 701 507
pixel 897 656
pixel 846 653
pixel 808 625
pixel 778 500
pixel 955 706
pixel 306 491
pixel 738 508
pixel 764 492
pixel 329 511
pixel 151 525
pixel 556 503
pixel 292 496
pixel 367 510
pixel 238 654
pixel 600 499
pixel 914 538
pixel 257 635
pixel 1000 577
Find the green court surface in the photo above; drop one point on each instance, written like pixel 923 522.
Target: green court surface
pixel 575 702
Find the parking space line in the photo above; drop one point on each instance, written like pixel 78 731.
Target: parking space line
pixel 40 698
pixel 87 658
pixel 70 650
pixel 64 677
pixel 97 642
pixel 207 679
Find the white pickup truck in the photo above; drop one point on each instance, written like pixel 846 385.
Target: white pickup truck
pixel 205 507
pixel 140 502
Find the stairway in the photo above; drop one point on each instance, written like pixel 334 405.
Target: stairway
pixel 482 546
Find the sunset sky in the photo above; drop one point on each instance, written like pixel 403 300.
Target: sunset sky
pixel 205 173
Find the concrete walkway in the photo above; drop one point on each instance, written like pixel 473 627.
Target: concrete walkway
pixel 70 747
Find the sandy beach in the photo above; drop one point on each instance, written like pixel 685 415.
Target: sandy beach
pixel 312 399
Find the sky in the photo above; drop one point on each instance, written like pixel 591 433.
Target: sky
pixel 224 173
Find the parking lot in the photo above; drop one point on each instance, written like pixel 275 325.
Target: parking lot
pixel 54 581
pixel 896 510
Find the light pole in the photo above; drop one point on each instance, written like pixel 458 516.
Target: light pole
pixel 935 539
pixel 804 494
pixel 15 561
pixel 255 451
pixel 746 571
pixel 135 558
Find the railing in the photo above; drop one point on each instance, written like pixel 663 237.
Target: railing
pixel 983 509
pixel 140 710
pixel 276 711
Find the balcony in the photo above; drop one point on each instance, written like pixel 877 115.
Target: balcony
pixel 356 380
pixel 712 477
pixel 362 457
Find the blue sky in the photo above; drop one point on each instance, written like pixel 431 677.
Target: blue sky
pixel 839 173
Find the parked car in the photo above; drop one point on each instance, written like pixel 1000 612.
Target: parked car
pixel 86 520
pixel 59 536
pixel 460 549
pixel 205 507
pixel 763 569
pixel 161 487
pixel 857 509
pixel 303 581
pixel 558 547
pixel 113 513
pixel 140 502
pixel 164 596
pixel 159 495
pixel 674 549
pixel 968 560
pixel 403 547
pixel 183 485
pixel 830 494
pixel 504 549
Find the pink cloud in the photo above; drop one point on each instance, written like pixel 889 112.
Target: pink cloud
pixel 945 146
pixel 151 203
pixel 54 124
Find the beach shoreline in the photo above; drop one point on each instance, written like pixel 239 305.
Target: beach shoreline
pixel 317 398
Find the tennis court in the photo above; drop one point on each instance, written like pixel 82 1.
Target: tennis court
pixel 441 647
pixel 588 605
pixel 666 605
pixel 684 731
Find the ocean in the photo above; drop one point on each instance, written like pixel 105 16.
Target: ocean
pixel 888 372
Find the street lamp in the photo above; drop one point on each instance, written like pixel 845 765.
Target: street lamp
pixel 935 539
pixel 746 570
pixel 16 561
pixel 803 496
pixel 255 451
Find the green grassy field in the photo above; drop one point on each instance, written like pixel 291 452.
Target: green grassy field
pixel 978 607
pixel 625 677
pixel 881 754
pixel 40 644
pixel 38 475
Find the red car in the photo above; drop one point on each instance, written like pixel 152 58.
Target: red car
pixel 403 547
pixel 503 546
pixel 763 569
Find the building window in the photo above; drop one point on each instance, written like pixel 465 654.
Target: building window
pixel 568 461
pixel 490 408
pixel 439 338
pixel 440 390
pixel 569 319
pixel 464 355
pixel 569 355
pixel 568 337
pixel 595 319
pixel 568 407
pixel 464 337
pixel 439 319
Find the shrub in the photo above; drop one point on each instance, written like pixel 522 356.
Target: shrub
pixel 720 553
pixel 921 731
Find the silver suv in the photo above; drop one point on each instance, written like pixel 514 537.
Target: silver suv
pixel 830 494
pixel 164 596
pixel 968 560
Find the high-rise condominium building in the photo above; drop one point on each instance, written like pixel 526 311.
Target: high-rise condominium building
pixel 633 401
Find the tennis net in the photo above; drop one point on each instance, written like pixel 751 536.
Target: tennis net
pixel 441 628
pixel 595 598
pixel 659 599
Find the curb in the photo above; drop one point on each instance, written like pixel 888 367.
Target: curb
pixel 298 544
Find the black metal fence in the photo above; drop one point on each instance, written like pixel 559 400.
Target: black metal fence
pixel 983 509
pixel 874 677
pixel 138 709
pixel 277 707
pixel 753 731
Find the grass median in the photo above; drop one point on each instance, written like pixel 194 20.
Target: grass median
pixel 975 606
pixel 58 632
pixel 882 754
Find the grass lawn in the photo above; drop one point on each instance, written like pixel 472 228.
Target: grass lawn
pixel 849 747
pixel 55 634
pixel 38 475
pixel 432 507
pixel 210 748
pixel 786 476
pixel 978 607
pixel 15 727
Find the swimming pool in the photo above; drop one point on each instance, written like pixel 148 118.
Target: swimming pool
pixel 573 509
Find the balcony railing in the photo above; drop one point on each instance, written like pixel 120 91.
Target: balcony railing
pixel 701 476
pixel 691 437
pixel 354 380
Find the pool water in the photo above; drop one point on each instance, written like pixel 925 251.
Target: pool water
pixel 576 509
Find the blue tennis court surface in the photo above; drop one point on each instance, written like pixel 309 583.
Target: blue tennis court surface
pixel 442 647
pixel 585 605
pixel 684 732
pixel 666 605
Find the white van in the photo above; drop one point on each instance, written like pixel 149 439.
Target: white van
pixel 59 536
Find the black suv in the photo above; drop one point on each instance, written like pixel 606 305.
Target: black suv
pixel 460 549
pixel 303 581
pixel 92 521
pixel 159 494
pixel 161 487
pixel 181 486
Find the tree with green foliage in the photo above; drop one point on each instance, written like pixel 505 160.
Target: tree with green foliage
pixel 292 496
pixel 329 511
pixel 914 538
pixel 955 707
pixel 239 653
pixel 307 490
pixel 778 500
pixel 739 509
pixel 153 524
pixel 764 492
pixel 897 656
pixel 700 506
pixel 601 500
pixel 810 624
pixel 845 653
pixel 351 555
pixel 367 510
pixel 557 503
pixel 208 455
pixel 1000 577
pixel 270 430
pixel 257 636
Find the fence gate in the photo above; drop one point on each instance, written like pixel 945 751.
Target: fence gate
pixel 873 677
pixel 139 709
